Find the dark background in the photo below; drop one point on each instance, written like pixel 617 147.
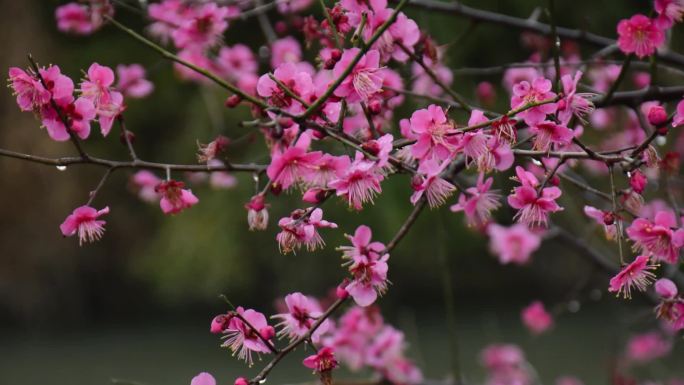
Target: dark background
pixel 137 304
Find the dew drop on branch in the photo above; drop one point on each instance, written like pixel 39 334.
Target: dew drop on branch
pixel 61 167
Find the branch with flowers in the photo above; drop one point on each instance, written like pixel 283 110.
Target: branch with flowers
pixel 331 131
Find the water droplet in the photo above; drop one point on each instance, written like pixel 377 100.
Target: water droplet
pixel 661 140
pixel 61 167
pixel 574 306
pixel 262 381
pixel 536 162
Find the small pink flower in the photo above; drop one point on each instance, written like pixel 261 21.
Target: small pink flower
pixel 74 18
pixel 533 208
pixel 497 156
pixel 174 198
pixel 639 35
pixel 203 28
pixel 369 267
pixel 647 347
pixel 285 50
pixel 604 218
pixel 300 229
pixel 486 93
pixel 498 357
pixel 574 103
pixel 658 238
pixel 669 12
pixel 537 91
pixel 84 221
pixel 241 381
pixel 236 62
pixel 429 181
pixel 31 95
pixel 666 289
pixel 297 81
pixel 678 118
pixel 536 318
pixel 132 81
pixel 513 244
pixel 360 183
pixel 322 361
pixel 294 164
pixel 549 133
pixel 203 378
pixel 477 203
pixel 209 151
pixel 257 213
pixel 146 182
pixel 60 86
pixel 364 80
pixel 637 274
pixel 242 339
pixel 220 323
pixel 380 148
pixel 434 134
pixel 302 312
pixel 78 114
pixel 97 88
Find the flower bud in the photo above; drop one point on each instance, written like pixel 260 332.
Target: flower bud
pixel 241 381
pixel 638 181
pixel 267 332
pixel 486 93
pixel 608 218
pixel 666 289
pixel 219 323
pixel 232 101
pixel 257 214
pixel 130 135
pixel 340 291
pixel 375 107
pixel 657 116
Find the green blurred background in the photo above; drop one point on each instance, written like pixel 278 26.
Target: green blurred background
pixel 137 304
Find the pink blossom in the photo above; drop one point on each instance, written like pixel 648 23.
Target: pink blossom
pixel 637 274
pixel 497 357
pixel 657 238
pixel 84 221
pixel 368 268
pixel 97 88
pixel 513 244
pixel 174 198
pixel 322 361
pixel 78 115
pixel 211 150
pixel 647 347
pixel 197 57
pixel 498 155
pixel 548 133
pixel 574 103
pixel 678 118
pixel 327 169
pixel 639 35
pixel 665 288
pixel 31 94
pixel 301 229
pixel 429 182
pixel 257 213
pixel 220 179
pixel 294 164
pixel 486 93
pixel 242 339
pixel 478 202
pixel 387 344
pixel 297 81
pixel 364 80
pixel 203 378
pixel 203 28
pixel 360 183
pixel 236 62
pixel 434 134
pixel 525 93
pixel 302 312
pixel 146 182
pixel 424 84
pixel 533 208
pixel 380 148
pixel 285 50
pixel 74 18
pixel 293 6
pixel 669 12
pixel 132 82
pixel 536 318
pixel 604 218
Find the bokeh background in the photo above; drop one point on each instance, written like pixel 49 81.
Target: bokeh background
pixel 137 304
